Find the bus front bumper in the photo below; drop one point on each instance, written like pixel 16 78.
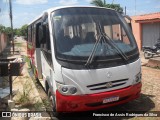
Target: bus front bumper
pixel 80 103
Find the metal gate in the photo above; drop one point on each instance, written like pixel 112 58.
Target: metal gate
pixel 150 33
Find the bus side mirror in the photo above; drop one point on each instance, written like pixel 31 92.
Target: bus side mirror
pixel 42 30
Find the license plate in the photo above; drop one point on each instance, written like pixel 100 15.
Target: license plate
pixel 111 99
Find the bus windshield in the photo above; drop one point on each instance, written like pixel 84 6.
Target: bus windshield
pixel 76 31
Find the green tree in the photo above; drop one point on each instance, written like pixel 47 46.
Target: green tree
pixel 103 3
pixel 17 32
pixel 2 28
pixel 23 30
pixel 8 30
pixel 99 3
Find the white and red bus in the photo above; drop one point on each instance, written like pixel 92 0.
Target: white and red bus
pixel 87 58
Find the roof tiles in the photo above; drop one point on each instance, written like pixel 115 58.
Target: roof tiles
pixel 151 16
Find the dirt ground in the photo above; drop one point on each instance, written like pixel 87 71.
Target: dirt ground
pixel 149 99
pixel 26 94
pixel 151 85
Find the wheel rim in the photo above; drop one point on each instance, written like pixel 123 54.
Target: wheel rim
pixel 147 55
pixel 52 103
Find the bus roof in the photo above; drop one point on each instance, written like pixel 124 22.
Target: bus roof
pixel 57 8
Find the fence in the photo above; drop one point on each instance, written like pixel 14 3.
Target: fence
pixel 3 41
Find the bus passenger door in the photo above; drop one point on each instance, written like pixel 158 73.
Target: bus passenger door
pixel 37 54
pixel 46 56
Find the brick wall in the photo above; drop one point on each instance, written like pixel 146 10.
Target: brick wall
pixel 3 41
pixel 136 27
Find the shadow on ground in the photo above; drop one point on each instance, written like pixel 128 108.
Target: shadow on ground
pixel 141 105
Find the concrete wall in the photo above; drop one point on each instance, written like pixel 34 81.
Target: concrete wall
pixel 136 27
pixel 3 41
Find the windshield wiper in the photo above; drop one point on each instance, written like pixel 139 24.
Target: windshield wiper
pixel 111 43
pixel 106 40
pixel 91 56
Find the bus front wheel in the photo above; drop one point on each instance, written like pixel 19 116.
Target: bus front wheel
pixel 53 104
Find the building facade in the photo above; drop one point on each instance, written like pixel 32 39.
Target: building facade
pixel 146 29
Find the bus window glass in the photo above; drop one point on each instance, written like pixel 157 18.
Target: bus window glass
pixel 77 30
pixel 29 34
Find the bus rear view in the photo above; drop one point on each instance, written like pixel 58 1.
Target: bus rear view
pixel 95 60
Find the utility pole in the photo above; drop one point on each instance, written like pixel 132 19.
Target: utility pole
pixel 11 19
pixel 125 11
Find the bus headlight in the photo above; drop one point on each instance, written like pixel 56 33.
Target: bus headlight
pixel 137 78
pixel 73 90
pixel 64 89
pixel 67 89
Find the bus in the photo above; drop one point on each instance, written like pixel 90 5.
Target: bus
pixel 86 58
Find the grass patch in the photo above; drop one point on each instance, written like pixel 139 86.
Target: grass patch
pixel 155 67
pixel 38 106
pixel 47 104
pixel 24 98
pixel 18 44
pixel 26 77
pixel 27 60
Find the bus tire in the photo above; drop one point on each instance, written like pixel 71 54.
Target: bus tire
pixel 53 104
pixel 46 87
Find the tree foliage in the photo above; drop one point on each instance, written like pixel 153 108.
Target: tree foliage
pixel 2 28
pixel 102 3
pixel 17 32
pixel 23 30
pixel 99 3
pixel 8 30
pixel 20 32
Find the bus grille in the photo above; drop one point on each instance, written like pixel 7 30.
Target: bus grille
pixel 107 85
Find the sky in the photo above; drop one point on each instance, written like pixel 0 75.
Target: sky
pixel 24 11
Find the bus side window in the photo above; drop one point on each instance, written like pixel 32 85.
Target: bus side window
pixel 44 38
pixel 37 35
pixel 47 35
pixel 44 32
pixel 32 34
pixel 40 34
pixel 29 34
